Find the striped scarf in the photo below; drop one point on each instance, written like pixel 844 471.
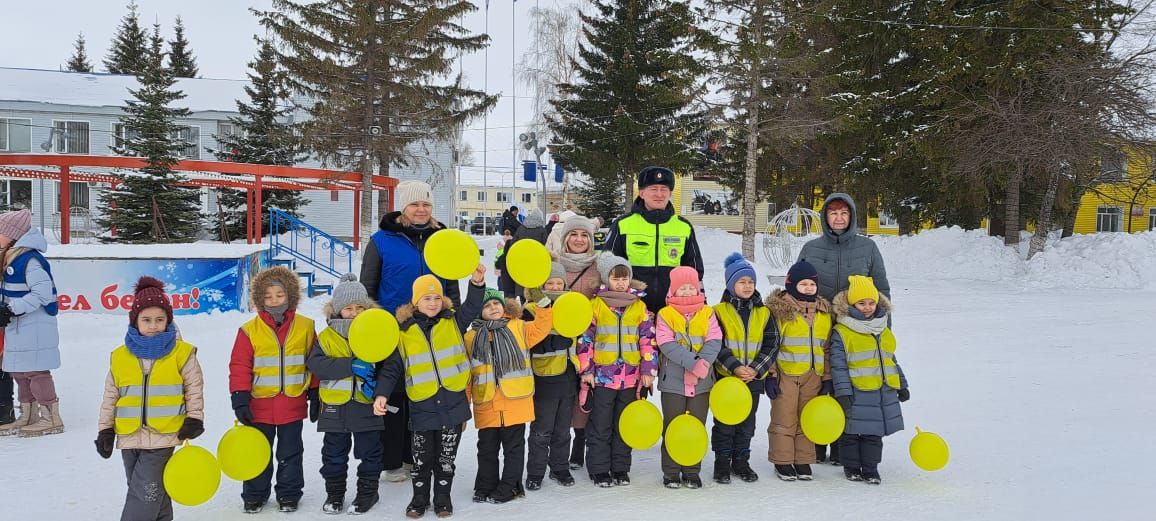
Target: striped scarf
pixel 494 345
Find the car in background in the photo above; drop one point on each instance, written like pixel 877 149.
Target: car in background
pixel 484 226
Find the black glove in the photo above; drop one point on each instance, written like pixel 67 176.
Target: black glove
pixel 191 429
pixel 844 401
pixel 771 387
pixel 904 395
pixel 827 388
pixel 314 405
pixel 5 315
pixel 104 441
pixel 241 407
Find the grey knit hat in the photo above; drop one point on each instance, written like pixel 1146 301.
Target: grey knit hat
pixel 557 271
pixel 535 219
pixel 350 291
pixel 607 261
pixel 578 222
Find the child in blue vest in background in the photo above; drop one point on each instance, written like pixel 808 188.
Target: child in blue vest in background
pixel 28 314
pixel 146 432
pixel 868 381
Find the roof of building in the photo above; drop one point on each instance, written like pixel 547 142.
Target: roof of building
pixel 99 89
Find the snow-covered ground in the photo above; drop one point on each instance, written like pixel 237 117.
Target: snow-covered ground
pixel 1034 372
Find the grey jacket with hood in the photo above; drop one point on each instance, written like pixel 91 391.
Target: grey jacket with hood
pixel 31 340
pixel 838 255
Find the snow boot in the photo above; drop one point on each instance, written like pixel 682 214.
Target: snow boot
pixel 7 414
pixel 804 472
pixel 603 479
pixel 253 507
pixel 397 475
pixel 287 505
pixel 871 476
pixel 722 468
pixel 334 496
pixel 742 468
pixel 534 483
pixel 443 505
pixel 27 416
pixel 671 482
pixel 420 502
pixel 852 474
pixel 786 472
pixel 621 479
pixel 562 477
pixel 578 449
pixel 691 481
pixel 366 495
pixel 48 423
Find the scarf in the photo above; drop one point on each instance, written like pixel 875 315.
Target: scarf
pixel 150 347
pixel 341 326
pixel 278 312
pixel 501 351
pixel 867 326
pixel 574 262
pixel 617 299
pixel 686 305
pixel 805 308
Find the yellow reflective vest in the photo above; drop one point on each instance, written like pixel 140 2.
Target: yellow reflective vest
pixel 156 399
pixel 616 337
pixel 280 368
pixel 801 344
pixel 691 336
pixel 649 245
pixel 515 384
pixel 743 340
pixel 870 359
pixel 553 363
pixel 429 366
pixel 338 392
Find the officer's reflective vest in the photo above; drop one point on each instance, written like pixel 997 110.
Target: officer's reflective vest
pixel 649 245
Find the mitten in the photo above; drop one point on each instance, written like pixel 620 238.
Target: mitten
pixel 104 442
pixel 904 395
pixel 241 407
pixel 771 387
pixel 689 379
pixel 844 401
pixel 827 388
pixel 701 369
pixel 364 370
pixel 190 429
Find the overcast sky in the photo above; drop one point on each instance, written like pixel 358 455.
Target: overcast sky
pixel 40 35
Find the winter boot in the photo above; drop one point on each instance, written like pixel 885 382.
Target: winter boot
pixel 534 483
pixel 578 449
pixel 253 507
pixel 563 477
pixel 366 495
pixel 722 468
pixel 691 481
pixel 852 474
pixel 7 414
pixel 443 506
pixel 834 459
pixel 420 502
pixel 397 475
pixel 603 479
pixel 671 482
pixel 287 505
pixel 334 496
pixel 871 476
pixel 786 472
pixel 621 479
pixel 742 468
pixel 28 415
pixel 48 423
pixel 804 472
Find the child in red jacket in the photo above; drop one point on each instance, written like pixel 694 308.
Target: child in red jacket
pixel 270 384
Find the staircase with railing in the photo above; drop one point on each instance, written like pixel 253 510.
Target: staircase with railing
pixel 292 240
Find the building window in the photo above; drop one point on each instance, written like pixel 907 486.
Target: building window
pixel 1108 218
pixel 481 197
pixel 334 195
pixel 16 194
pixel 527 197
pixel 191 138
pixel 15 135
pixel 1114 167
pixel 886 220
pixel 505 197
pixel 771 210
pixel 480 215
pixel 121 134
pixel 463 195
pixel 78 195
pixel 1151 219
pixel 71 137
pixel 226 129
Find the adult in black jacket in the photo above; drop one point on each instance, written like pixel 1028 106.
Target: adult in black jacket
pixel 533 229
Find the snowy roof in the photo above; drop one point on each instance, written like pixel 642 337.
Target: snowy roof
pixel 111 90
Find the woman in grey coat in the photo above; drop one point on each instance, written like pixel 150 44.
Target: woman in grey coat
pixel 28 314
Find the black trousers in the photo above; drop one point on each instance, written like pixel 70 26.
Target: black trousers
pixel 434 453
pixel 396 439
pixel 511 440
pixel 860 452
pixel 6 389
pixel 290 475
pixel 550 436
pixel 734 441
pixel 335 448
pixel 605 450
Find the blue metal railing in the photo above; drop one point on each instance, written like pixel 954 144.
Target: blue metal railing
pixel 308 243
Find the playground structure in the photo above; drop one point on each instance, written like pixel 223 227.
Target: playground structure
pixel 788 230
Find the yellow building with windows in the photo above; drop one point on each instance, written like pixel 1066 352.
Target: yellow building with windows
pixel 1126 199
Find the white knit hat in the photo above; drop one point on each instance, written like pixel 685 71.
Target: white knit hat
pixel 409 192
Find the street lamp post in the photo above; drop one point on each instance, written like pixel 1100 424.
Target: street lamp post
pixel 530 142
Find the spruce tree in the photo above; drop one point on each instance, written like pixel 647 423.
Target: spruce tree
pixel 632 106
pixel 600 197
pixel 382 77
pixel 128 51
pixel 260 137
pixel 181 59
pixel 148 206
pixel 79 60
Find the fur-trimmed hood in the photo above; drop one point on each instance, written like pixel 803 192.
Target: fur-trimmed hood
pixel 405 312
pixel 281 274
pixel 783 310
pixel 332 313
pixel 840 306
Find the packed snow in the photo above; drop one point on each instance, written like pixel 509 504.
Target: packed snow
pixel 997 350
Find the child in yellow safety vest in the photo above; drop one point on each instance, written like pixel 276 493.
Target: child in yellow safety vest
pixel 271 387
pixel 153 400
pixel 800 370
pixel 502 389
pixel 750 339
pixel 347 386
pixel 689 340
pixel 555 364
pixel 432 363
pixel 868 381
pixel 616 361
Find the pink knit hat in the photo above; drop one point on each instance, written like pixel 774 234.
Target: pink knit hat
pixel 683 275
pixel 15 224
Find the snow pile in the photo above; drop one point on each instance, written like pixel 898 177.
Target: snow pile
pixel 950 253
pixel 1103 260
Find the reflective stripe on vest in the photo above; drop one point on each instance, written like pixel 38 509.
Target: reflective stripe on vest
pixel 801 344
pixel 338 392
pixel 691 336
pixel 15 282
pixel 648 245
pixel 553 363
pixel 515 384
pixel 158 398
pixel 279 368
pixel 442 364
pixel 616 337
pixel 870 358
pixel 743 340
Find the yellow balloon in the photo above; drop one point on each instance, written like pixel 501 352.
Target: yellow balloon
pixel 528 263
pixel 640 425
pixel 730 401
pixel 929 451
pixel 451 254
pixel 823 420
pixel 373 335
pixel 686 440
pixel 243 452
pixel 192 475
pixel 572 315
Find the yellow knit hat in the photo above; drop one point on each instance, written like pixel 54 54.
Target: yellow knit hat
pixel 425 285
pixel 861 288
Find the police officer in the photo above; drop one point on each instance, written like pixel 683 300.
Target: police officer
pixel 653 238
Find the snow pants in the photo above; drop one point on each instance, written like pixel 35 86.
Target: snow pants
pixel 605 450
pixel 673 406
pixel 511 440
pixel 550 435
pixel 788 444
pixel 734 441
pixel 146 499
pixel 290 473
